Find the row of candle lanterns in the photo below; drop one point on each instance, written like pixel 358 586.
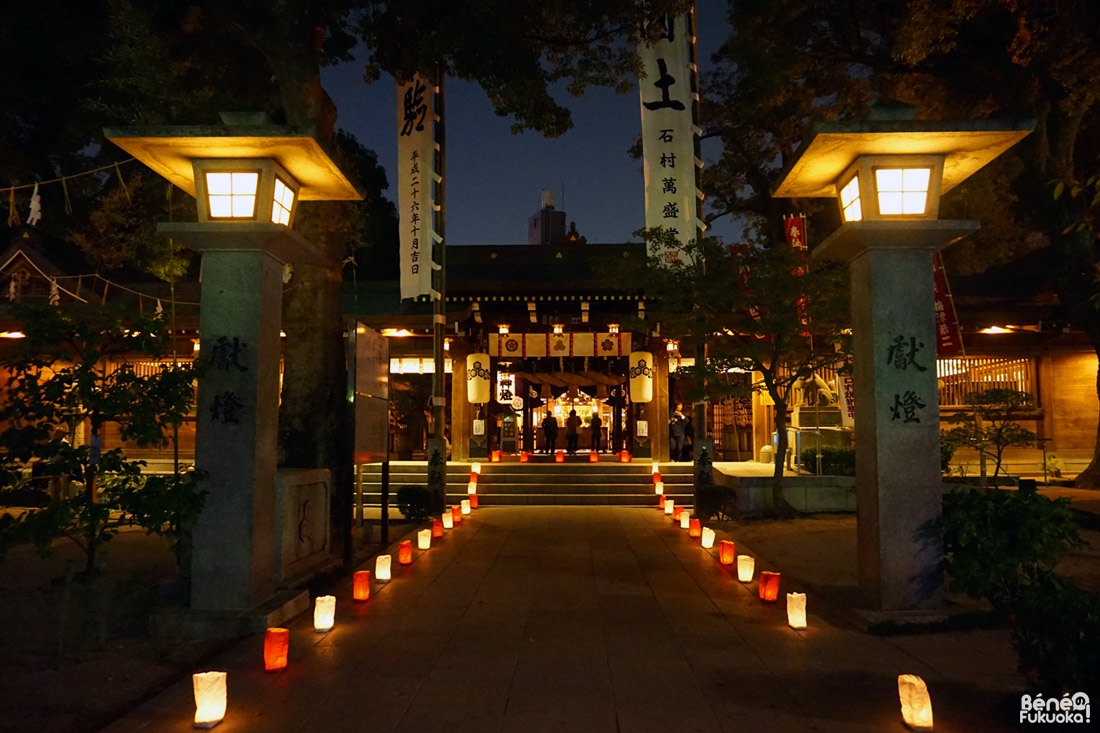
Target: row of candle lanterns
pixel 916 704
pixel 210 689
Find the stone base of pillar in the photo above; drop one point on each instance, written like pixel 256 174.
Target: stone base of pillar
pixel 184 624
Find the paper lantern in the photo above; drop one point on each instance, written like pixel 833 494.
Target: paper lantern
pixel 655 467
pixel 276 649
pixel 456 513
pixel 475 476
pixel 916 705
pixel 745 568
pixel 437 528
pixel 707 538
pixel 473 501
pixel 324 613
pixel 475 468
pixel 494 457
pixel 685 520
pixel 477 378
pixel 769 586
pixel 382 568
pixel 725 552
pixel 210 698
pixel 593 457
pixel 405 552
pixel 695 528
pixel 624 456
pixel 471 488
pixel 465 506
pixel 448 520
pixel 360 589
pixel 524 457
pixel 796 610
pixel 424 539
pixel 659 487
pixel 670 506
pixel 641 376
pixel 559 457
pixel 677 513
pixel 657 477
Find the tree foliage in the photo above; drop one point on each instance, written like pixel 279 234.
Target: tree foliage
pixel 989 426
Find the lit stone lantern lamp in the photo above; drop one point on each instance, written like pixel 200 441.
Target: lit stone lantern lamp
pixel 746 566
pixel 360 590
pixel 210 698
pixel 707 538
pixel 916 705
pixel 276 649
pixel 887 175
pixel 796 610
pixel 248 179
pixel 324 614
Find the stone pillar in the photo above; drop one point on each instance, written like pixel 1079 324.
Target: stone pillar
pixel 898 484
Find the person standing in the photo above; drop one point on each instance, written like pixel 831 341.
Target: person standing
pixel 597 425
pixel 676 436
pixel 689 439
pixel 549 432
pixel 572 432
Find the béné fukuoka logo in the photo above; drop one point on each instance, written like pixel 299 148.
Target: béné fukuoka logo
pixel 1073 708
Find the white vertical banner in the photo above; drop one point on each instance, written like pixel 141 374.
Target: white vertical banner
pixel 668 134
pixel 416 166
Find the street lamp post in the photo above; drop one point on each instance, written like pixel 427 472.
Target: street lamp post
pixel 248 181
pixel 887 177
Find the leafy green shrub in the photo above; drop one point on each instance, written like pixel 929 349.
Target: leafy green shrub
pixel 834 461
pixel 414 502
pixel 1003 546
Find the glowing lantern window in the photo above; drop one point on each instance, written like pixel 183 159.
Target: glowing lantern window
pixel 283 203
pixel 796 610
pixel 695 528
pixel 276 649
pixel 641 376
pixel 726 550
pixel 405 552
pixel 746 566
pixel 707 538
pixel 424 539
pixel 669 506
pixel 324 613
pixel 902 191
pixel 232 194
pixel 465 506
pixel 477 378
pixel 382 568
pixel 210 698
pixel 360 589
pixel 685 520
pixel 916 705
pixel 437 528
pixel 473 501
pixel 850 205
pixel 769 586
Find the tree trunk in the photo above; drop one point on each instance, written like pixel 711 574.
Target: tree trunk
pixel 1090 477
pixel 779 502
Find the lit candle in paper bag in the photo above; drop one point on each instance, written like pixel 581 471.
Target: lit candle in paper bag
pixel 726 552
pixel 324 613
pixel 695 528
pixel 707 538
pixel 769 586
pixel 424 539
pixel 405 552
pixel 746 566
pixel 916 705
pixel 796 610
pixel 276 649
pixel 360 589
pixel 382 568
pixel 210 698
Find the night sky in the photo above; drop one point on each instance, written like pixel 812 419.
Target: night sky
pixel 495 179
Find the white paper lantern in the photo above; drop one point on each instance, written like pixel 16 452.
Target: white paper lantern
pixel 210 698
pixel 746 566
pixel 424 539
pixel 655 467
pixel 382 568
pixel 475 468
pixel 685 520
pixel 916 705
pixel 324 613
pixel 465 506
pixel 796 610
pixel 477 378
pixel 448 520
pixel 659 487
pixel 641 376
pixel 670 504
pixel 471 488
pixel 707 538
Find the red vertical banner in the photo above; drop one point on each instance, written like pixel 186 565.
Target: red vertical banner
pixel 794 228
pixel 948 335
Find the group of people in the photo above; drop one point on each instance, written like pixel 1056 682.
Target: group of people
pixel 550 429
